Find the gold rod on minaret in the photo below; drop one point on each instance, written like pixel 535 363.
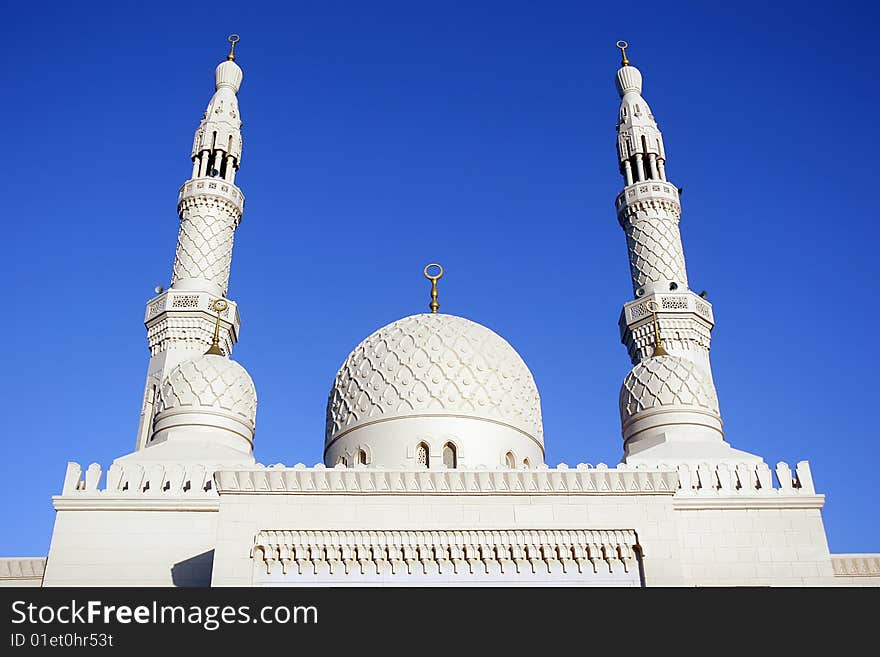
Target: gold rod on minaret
pixel 435 305
pixel 659 350
pixel 623 45
pixel 218 306
pixel 232 39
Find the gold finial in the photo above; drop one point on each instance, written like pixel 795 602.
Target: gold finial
pixel 434 278
pixel 218 306
pixel 653 307
pixel 623 45
pixel 232 39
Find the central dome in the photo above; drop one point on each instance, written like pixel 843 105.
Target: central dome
pixel 427 367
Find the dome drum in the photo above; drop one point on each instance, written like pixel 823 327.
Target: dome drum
pixel 670 424
pixel 474 442
pixel 203 426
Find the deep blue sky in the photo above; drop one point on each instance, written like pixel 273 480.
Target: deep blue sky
pixel 382 136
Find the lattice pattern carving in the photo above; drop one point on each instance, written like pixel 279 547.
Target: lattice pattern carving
pixel 210 382
pixel 666 381
pixel 440 364
pixel 204 243
pixel 655 251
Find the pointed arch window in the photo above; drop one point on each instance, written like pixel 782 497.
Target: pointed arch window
pixel 509 460
pixel 361 457
pixel 526 463
pixel 450 457
pixel 422 455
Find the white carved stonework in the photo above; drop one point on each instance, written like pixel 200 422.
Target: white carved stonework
pixel 204 243
pixel 209 382
pixel 666 381
pixel 184 320
pixel 576 556
pixel 685 321
pixel 856 565
pixel 220 127
pixel 22 571
pixel 181 322
pixel 434 364
pixel 654 244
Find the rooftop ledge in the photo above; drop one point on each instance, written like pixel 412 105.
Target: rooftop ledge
pixel 692 486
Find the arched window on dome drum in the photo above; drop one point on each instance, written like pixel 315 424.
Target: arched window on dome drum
pixel 341 461
pixel 450 458
pixel 422 455
pixel 361 457
pixel 509 460
pixel 526 463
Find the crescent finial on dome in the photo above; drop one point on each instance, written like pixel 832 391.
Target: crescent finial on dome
pixel 233 39
pixel 434 305
pixel 623 45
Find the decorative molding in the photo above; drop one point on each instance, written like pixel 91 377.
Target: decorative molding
pixel 744 480
pixel 444 552
pixel 856 565
pixel 648 190
pixel 221 189
pixel 106 502
pixel 436 481
pixel 22 568
pixel 184 320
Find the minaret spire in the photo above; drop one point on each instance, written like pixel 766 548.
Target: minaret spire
pixel 668 404
pixel 195 315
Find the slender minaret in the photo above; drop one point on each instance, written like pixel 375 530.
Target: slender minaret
pixel 180 321
pixel 669 409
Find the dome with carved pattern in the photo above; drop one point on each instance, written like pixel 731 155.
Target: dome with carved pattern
pixel 666 381
pixel 434 365
pixel 210 383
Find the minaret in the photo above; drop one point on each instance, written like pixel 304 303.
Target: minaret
pixel 669 409
pixel 180 321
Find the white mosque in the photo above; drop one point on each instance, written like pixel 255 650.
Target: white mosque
pixel 434 468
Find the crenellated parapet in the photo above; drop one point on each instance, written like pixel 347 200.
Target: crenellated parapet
pixel 683 480
pixel 744 480
pixel 136 482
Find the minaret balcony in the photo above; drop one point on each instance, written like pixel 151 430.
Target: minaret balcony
pixel 185 319
pixel 647 190
pixel 216 187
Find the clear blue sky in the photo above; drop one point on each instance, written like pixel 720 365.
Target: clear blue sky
pixel 379 137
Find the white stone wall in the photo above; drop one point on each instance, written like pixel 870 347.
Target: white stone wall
pixel 243 516
pixel 165 525
pixel 150 524
pixel 753 547
pixel 132 546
